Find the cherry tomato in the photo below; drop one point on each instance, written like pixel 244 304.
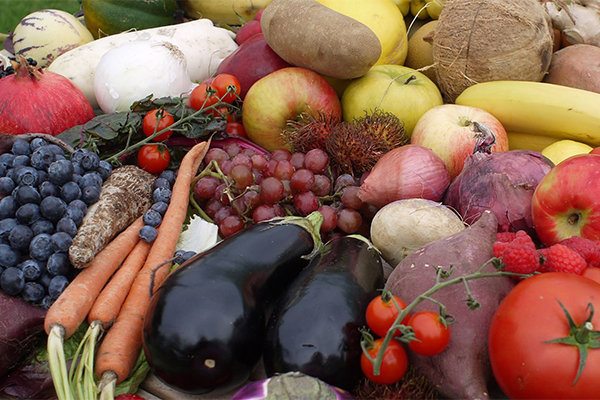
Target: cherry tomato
pixel 434 336
pixel 203 96
pixel 236 128
pixel 382 313
pixel 222 82
pixel 393 364
pixel 223 112
pixel 154 158
pixel 157 120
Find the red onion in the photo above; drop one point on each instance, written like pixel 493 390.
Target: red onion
pixel 410 171
pixel 36 101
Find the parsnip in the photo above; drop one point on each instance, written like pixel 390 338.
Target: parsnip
pixel 203 44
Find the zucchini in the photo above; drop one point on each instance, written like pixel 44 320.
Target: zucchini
pixel 205 328
pixel 314 327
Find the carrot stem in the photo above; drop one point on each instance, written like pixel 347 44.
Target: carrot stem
pixel 58 363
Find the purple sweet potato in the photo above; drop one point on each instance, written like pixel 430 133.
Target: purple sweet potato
pixel 462 370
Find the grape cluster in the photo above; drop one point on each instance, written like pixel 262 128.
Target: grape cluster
pixel 239 187
pixel 44 199
pixel 9 69
pixel 161 195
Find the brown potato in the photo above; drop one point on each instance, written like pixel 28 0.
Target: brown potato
pixel 576 66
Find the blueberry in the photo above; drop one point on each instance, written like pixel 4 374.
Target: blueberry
pixel 152 218
pixel 56 149
pixel 3 169
pixel 28 213
pixel 27 194
pixel 7 159
pixel 78 154
pixel 90 194
pixel 53 208
pixel 9 257
pixel 169 175
pixel 42 176
pixel 70 191
pixel 76 178
pixel 61 241
pixel 42 226
pixel 26 176
pixel 58 264
pixel 60 172
pixel 49 189
pixel 42 157
pixel 1 270
pixel 104 169
pixel 162 194
pixel 21 160
pixel 45 279
pixel 66 224
pixel 77 168
pixel 148 234
pixel 8 207
pixel 12 281
pixel 7 185
pixel 79 204
pixel 21 147
pixel 33 292
pixel 182 256
pixel 19 238
pixel 75 214
pixel 189 254
pixel 32 270
pixel 161 183
pixel 6 225
pixel 92 178
pixel 47 302
pixel 41 247
pixel 57 286
pixel 37 143
pixel 160 207
pixel 90 161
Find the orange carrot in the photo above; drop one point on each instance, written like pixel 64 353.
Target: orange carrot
pixel 73 305
pixel 109 302
pixel 121 345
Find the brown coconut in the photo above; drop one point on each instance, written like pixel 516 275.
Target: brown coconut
pixel 490 40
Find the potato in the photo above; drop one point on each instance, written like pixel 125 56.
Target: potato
pixel 462 370
pixel 308 34
pixel 576 66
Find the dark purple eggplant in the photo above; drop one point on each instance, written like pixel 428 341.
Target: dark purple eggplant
pixel 205 327
pixel 314 327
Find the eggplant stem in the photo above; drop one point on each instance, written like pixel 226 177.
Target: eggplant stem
pixel 58 364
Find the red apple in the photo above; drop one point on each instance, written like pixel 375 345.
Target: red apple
pixel 258 15
pixel 448 131
pixel 566 202
pixel 281 96
pixel 251 61
pixel 247 30
pixel 595 151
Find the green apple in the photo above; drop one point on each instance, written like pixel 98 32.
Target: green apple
pixel 396 89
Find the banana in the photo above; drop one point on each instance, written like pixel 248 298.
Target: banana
pixel 539 108
pixel 418 9
pixel 527 141
pixel 403 5
pixel 224 11
pixel 435 7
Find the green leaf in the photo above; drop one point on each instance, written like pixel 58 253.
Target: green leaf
pixel 135 378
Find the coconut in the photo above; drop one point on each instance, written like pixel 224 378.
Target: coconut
pixel 491 40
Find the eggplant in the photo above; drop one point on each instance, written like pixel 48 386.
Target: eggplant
pixel 205 327
pixel 315 326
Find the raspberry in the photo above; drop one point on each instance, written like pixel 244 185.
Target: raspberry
pixel 588 249
pixel 499 248
pixel 129 397
pixel 521 257
pixel 560 258
pixel 505 237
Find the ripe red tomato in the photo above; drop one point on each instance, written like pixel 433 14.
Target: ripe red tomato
pixel 434 336
pixel 524 364
pixel 154 158
pixel 393 365
pixel 382 313
pixel 222 82
pixel 591 273
pixel 223 112
pixel 156 120
pixel 236 128
pixel 203 96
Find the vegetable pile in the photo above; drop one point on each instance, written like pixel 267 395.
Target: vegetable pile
pixel 316 199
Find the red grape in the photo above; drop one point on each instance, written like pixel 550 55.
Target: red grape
pixel 263 213
pixel 242 159
pixel 303 180
pixel 344 180
pixel 297 160
pixel 259 161
pixel 249 152
pixel 242 176
pixel 281 154
pixel 258 176
pixel 305 203
pixel 223 213
pixel 232 148
pixel 350 198
pixel 316 160
pixel 349 220
pixel 322 185
pixel 217 155
pixel 284 170
pixel 226 166
pixel 205 187
pixel 212 206
pixel 269 169
pixel 230 225
pixel 220 195
pixel 329 218
pixel 271 190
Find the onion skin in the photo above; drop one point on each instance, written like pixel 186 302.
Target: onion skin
pixel 40 102
pixel 410 171
pixel 501 182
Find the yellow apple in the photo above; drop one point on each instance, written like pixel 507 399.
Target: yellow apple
pixel 399 90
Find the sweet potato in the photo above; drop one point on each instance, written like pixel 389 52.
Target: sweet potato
pixel 576 66
pixel 308 34
pixel 462 370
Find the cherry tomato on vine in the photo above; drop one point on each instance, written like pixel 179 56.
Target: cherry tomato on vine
pixel 236 128
pixel 222 82
pixel 434 336
pixel 203 96
pixel 154 158
pixel 153 121
pixel 382 313
pixel 223 112
pixel 393 364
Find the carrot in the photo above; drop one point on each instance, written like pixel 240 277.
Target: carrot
pixel 121 346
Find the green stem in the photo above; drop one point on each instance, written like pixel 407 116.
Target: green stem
pixel 583 334
pixel 58 364
pixel 199 209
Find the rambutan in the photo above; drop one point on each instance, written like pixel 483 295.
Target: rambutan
pixel 384 127
pixel 308 131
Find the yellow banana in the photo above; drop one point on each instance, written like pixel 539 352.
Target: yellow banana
pixel 418 9
pixel 528 141
pixel 224 11
pixel 435 7
pixel 539 108
pixel 403 5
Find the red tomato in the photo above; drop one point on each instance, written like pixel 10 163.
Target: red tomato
pixel 223 112
pixel 155 121
pixel 434 336
pixel 591 273
pixel 236 128
pixel 393 365
pixel 154 158
pixel 523 363
pixel 382 313
pixel 222 82
pixel 203 96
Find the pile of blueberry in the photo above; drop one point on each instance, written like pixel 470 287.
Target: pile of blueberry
pixel 45 196
pixel 161 194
